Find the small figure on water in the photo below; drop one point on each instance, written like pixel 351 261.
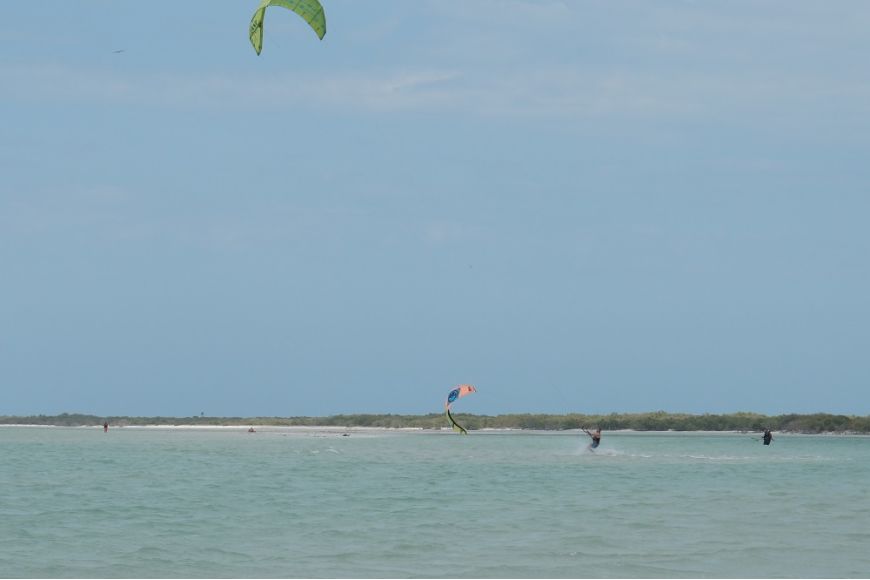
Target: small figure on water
pixel 596 437
pixel 767 437
pixel 251 430
pixel 105 426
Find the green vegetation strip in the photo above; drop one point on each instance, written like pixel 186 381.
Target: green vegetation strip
pixel 657 421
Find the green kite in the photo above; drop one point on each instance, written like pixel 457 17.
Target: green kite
pixel 310 10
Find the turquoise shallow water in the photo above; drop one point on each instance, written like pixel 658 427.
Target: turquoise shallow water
pixel 281 503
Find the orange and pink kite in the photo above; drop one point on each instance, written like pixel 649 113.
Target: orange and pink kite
pixel 458 392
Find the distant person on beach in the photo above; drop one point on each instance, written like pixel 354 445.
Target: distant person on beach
pixel 105 426
pixel 767 437
pixel 596 437
pixel 251 430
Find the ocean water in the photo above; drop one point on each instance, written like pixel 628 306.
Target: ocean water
pixel 313 504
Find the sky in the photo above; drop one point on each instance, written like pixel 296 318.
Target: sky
pixel 576 206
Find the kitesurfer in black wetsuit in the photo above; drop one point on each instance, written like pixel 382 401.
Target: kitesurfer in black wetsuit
pixel 767 437
pixel 596 438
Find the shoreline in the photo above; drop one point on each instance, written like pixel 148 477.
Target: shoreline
pixel 657 421
pixel 333 429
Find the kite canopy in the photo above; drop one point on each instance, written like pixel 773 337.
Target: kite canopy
pixel 310 10
pixel 457 393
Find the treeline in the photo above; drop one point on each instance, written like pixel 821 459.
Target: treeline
pixel 662 421
pixel 657 421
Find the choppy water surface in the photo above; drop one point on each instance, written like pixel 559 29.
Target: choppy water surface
pixel 280 503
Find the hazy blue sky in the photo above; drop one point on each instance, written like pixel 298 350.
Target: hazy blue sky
pixel 576 206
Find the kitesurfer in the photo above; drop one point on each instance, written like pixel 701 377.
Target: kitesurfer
pixel 105 426
pixel 767 437
pixel 596 437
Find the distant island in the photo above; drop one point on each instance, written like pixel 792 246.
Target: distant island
pixel 655 421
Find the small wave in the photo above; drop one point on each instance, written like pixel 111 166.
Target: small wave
pixel 610 452
pixel 718 457
pixel 607 452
